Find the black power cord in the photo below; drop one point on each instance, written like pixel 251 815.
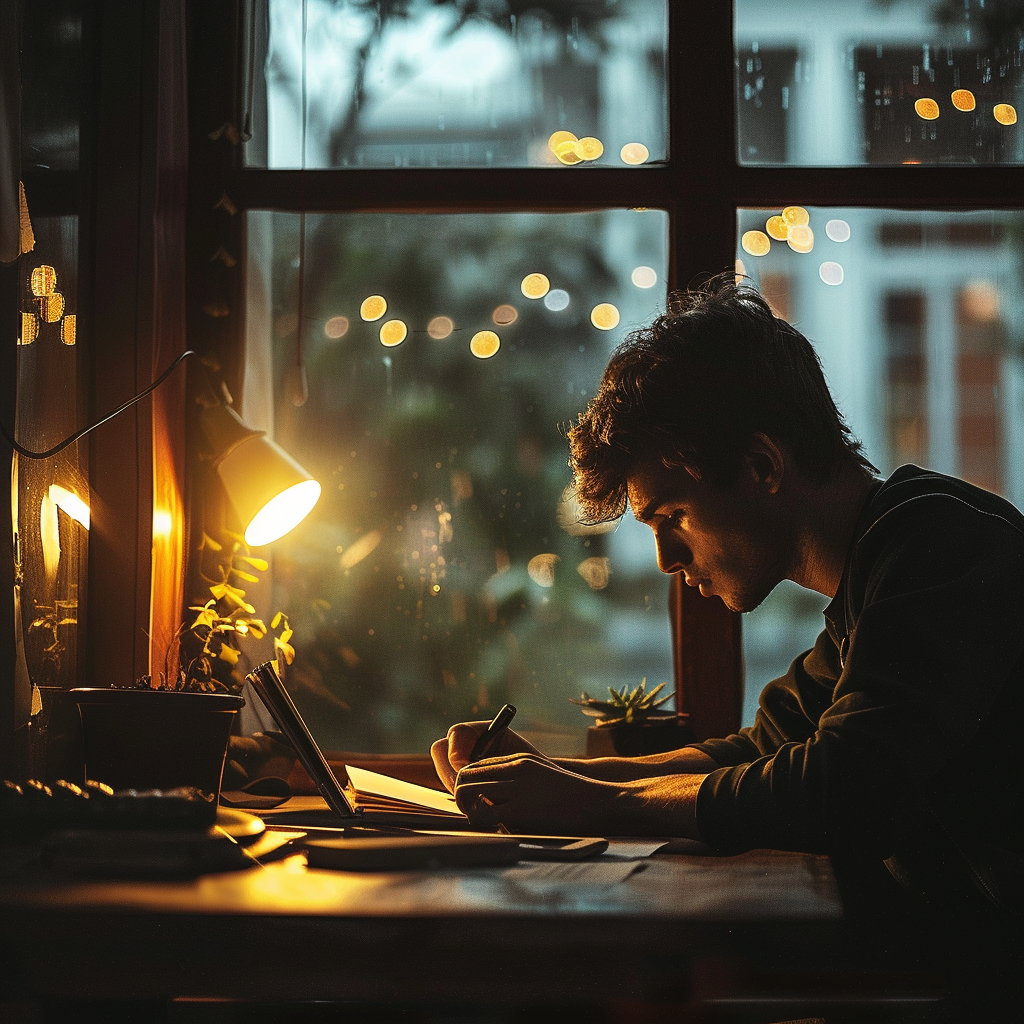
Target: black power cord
pixel 28 454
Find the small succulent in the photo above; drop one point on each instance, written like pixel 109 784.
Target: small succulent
pixel 624 707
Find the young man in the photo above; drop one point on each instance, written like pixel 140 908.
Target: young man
pixel 895 738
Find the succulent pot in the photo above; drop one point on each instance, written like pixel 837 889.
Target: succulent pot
pixel 630 739
pixel 155 739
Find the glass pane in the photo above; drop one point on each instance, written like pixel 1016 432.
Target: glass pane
pixel 454 83
pixel 879 82
pixel 441 573
pixel 53 493
pixel 919 323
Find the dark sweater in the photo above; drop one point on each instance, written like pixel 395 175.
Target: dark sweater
pixel 896 736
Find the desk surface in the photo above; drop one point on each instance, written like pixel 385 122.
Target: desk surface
pixel 282 931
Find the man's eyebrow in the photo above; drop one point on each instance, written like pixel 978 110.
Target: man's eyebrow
pixel 647 511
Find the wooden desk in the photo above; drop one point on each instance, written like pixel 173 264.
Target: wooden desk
pixel 685 930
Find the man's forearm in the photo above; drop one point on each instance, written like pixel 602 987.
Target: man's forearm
pixel 686 760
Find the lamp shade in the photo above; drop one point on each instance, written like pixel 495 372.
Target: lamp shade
pixel 269 490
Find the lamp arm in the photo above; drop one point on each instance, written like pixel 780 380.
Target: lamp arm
pixel 85 430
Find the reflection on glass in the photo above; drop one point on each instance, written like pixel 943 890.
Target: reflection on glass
pixel 879 82
pixel 459 83
pixel 444 570
pixel 919 323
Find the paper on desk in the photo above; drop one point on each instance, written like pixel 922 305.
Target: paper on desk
pixel 632 849
pixel 369 782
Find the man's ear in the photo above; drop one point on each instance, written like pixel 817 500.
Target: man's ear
pixel 765 462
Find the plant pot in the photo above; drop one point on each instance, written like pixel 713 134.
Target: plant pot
pixel 155 739
pixel 652 736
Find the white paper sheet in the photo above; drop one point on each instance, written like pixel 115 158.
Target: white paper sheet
pixel 382 785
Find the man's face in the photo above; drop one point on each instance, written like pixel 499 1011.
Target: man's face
pixel 729 542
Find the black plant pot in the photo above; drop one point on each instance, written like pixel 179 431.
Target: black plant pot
pixel 652 736
pixel 155 739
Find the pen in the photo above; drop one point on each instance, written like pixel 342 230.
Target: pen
pixel 490 736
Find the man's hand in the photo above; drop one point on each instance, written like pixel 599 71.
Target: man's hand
pixel 530 794
pixel 451 753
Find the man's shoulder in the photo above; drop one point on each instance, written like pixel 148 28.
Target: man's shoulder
pixel 914 499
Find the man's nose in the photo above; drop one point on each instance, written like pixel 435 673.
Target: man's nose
pixel 673 554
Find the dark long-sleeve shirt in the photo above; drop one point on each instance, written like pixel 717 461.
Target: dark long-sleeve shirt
pixel 897 735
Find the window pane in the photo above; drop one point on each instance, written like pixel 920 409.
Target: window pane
pixel 458 84
pixel 879 82
pixel 918 321
pixel 441 573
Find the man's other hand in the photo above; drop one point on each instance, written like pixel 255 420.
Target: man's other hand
pixel 451 753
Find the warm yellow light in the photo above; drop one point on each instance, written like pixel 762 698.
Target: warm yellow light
pixel 69 329
pixel 757 243
pixel 162 523
pixel 336 327
pixel 373 307
pixel 634 153
pixel 777 227
pixel 926 108
pixel 542 569
pixel 282 513
pixel 591 148
pixel 794 215
pixel 604 316
pixel 70 504
pixel 29 329
pixel 644 277
pixel 505 314
pixel 440 327
pixel 484 344
pixel 43 280
pixel 963 99
pixel 980 301
pixel 535 286
pixel 1005 113
pixel 568 152
pixel 801 238
pixel 394 332
pixel 595 571
pixel 557 138
pixel 51 307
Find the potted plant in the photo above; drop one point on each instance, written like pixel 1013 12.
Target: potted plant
pixel 173 731
pixel 629 722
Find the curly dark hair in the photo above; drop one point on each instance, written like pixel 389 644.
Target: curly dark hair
pixel 693 388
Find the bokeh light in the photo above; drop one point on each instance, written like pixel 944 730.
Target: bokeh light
pixel 644 277
pixel 801 238
pixel 535 286
pixel 634 153
pixel 484 344
pixel 757 243
pixel 568 152
pixel 373 307
pixel 556 300
pixel 394 332
pixel 591 148
pixel 542 569
pixel 980 301
pixel 505 314
pixel 557 138
pixel 595 571
pixel 1005 113
pixel 795 216
pixel 838 230
pixel 963 99
pixel 336 327
pixel 777 227
pixel 440 327
pixel 604 316
pixel 831 272
pixel 926 108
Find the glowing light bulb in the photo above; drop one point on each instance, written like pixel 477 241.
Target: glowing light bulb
pixel 282 513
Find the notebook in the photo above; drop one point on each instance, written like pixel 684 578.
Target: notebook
pixel 369 798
